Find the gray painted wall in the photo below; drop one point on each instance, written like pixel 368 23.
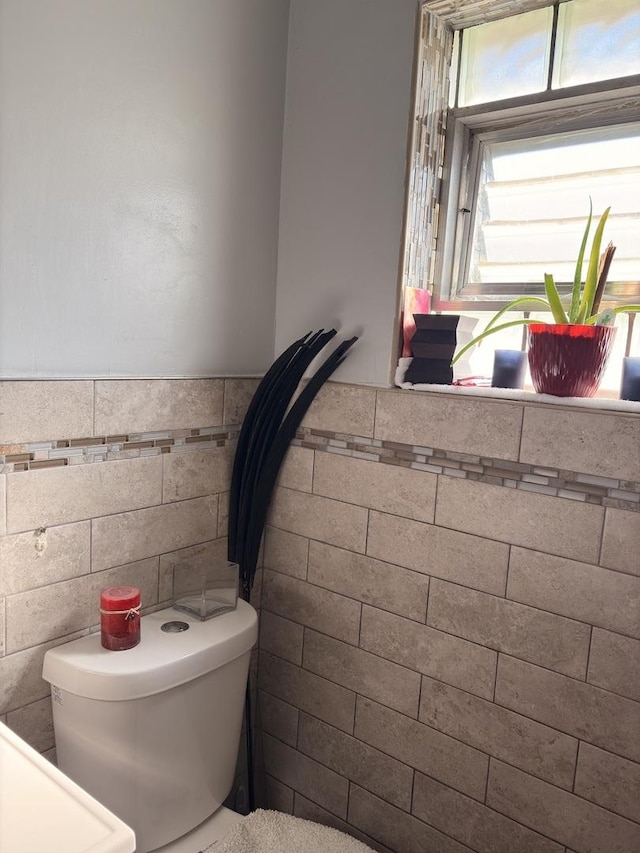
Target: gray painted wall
pixel 140 185
pixel 139 181
pixel 344 157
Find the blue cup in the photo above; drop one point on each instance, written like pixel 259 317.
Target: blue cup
pixel 509 367
pixel 630 388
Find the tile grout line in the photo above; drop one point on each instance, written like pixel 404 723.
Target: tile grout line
pixel 481 751
pixel 407 668
pixel 472 589
pixel 480 801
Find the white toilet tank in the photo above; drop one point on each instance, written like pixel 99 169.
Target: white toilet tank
pixel 153 732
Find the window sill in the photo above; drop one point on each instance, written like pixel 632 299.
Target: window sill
pixel 597 403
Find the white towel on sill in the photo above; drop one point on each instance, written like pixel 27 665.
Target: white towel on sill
pixel 275 832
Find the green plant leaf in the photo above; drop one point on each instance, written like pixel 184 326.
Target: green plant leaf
pixel 557 310
pixel 487 332
pixel 591 281
pixel 521 300
pixel 577 278
pixel 605 318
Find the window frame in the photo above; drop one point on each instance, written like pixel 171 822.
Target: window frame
pixel 591 105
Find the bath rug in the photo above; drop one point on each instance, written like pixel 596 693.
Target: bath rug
pixel 275 832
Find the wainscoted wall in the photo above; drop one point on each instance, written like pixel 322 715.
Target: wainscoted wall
pixel 450 622
pixel 101 483
pixel 450 634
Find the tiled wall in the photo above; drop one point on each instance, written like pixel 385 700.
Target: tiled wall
pixel 450 635
pixel 101 483
pixel 450 629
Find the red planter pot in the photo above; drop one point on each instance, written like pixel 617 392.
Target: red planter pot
pixel 568 360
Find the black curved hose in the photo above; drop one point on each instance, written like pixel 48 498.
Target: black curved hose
pixel 264 439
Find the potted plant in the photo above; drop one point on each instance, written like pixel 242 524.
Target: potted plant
pixel 567 356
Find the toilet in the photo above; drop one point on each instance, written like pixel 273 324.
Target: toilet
pixel 153 732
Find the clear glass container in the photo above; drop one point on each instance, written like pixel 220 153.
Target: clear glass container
pixel 205 589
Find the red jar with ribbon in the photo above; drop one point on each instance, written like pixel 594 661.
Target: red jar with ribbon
pixel 120 617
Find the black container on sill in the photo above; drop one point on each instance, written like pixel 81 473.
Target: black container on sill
pixel 433 345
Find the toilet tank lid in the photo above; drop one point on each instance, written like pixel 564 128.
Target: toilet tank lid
pixel 160 661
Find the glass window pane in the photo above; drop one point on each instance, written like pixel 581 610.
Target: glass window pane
pixel 533 203
pixel 596 41
pixel 505 58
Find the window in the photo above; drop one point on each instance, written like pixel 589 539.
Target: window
pixel 544 115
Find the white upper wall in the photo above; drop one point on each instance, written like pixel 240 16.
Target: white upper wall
pixel 343 173
pixel 139 185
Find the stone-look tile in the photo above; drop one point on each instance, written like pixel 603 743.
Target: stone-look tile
pixel 398 491
pixel 609 781
pixel 621 541
pixel 548 524
pixel 614 663
pixel 471 823
pixel 308 692
pixel 34 724
pixel 255 599
pixel 469 425
pixel 3 504
pixel 371 769
pixel 3 603
pixel 305 809
pixel 34 559
pixel 312 606
pixel 165 582
pixel 559 814
pixel 573 440
pixel 356 669
pixel 45 410
pixel 21 676
pixel 458 557
pixel 179 568
pixel 579 709
pixel 286 552
pixel 281 637
pixel 524 632
pixel 223 513
pixel 429 651
pixel 194 473
pixel 129 536
pixel 297 469
pixel 341 408
pixel 73 493
pixel 381 584
pixel 329 521
pixel 295 770
pixel 396 828
pixel 577 590
pixel 51 755
pixel 442 757
pixel 238 393
pixel 497 731
pixel 278 718
pixel 145 405
pixel 69 606
pixel 279 796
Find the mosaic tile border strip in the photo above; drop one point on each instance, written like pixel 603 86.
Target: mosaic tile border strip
pixel 468 14
pixel 427 150
pixel 571 485
pixel 79 451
